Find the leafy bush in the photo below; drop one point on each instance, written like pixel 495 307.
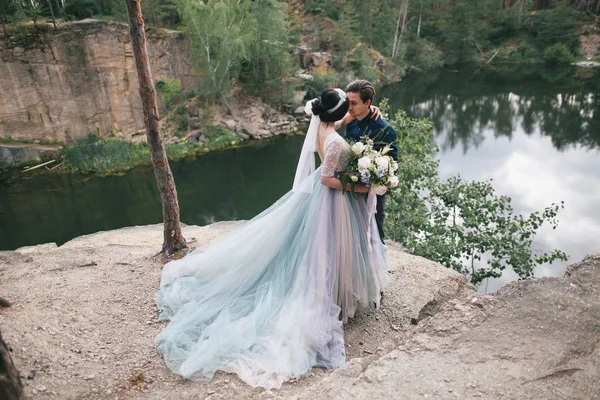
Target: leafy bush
pixel 325 8
pixel 558 54
pixel 463 225
pixel 524 53
pixel 314 87
pixel 94 155
pixel 80 9
pixel 553 26
pixel 362 64
pixel 422 54
pixel 170 91
pixel 102 157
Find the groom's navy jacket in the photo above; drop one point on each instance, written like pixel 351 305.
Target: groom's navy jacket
pixel 382 133
pixel 379 130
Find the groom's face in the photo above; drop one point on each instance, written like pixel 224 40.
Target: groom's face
pixel 358 108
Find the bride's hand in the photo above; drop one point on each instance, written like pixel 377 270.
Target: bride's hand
pixel 376 112
pixel 360 188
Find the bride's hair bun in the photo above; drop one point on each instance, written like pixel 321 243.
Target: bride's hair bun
pixel 317 107
pixel 329 100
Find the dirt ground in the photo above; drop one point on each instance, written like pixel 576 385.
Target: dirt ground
pixel 84 318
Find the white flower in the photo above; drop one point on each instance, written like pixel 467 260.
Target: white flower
pixel 358 148
pixel 380 190
pixel 383 162
pixel 370 152
pixel 394 166
pixel 364 177
pixel 394 181
pixel 386 150
pixel 364 162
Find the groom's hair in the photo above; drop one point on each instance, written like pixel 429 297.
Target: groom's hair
pixel 364 89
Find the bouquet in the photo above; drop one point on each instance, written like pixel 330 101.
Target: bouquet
pixel 371 167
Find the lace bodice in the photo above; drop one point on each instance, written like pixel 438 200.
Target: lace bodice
pixel 336 152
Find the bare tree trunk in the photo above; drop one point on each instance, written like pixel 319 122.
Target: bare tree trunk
pixel 403 27
pixel 3 18
pixel 52 13
pixel 227 106
pixel 173 239
pixel 521 9
pixel 397 32
pixel 11 387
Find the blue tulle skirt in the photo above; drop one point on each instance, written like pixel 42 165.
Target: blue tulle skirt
pixel 267 301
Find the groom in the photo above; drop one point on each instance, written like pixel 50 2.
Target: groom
pixel 360 122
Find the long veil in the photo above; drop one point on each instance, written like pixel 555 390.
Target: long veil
pixel 306 163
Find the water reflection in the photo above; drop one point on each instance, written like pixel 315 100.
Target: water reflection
pixel 535 133
pixel 227 185
pixel 563 105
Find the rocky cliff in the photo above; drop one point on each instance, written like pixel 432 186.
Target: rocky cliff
pixel 83 321
pixel 65 85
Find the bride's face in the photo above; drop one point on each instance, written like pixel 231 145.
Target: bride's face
pixel 357 109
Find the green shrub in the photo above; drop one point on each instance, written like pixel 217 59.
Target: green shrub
pixel 94 155
pixel 314 87
pixel 170 91
pixel 422 54
pixel 524 53
pixel 103 157
pixel 553 26
pixel 464 225
pixel 558 54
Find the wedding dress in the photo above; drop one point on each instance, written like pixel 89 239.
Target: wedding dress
pixel 267 301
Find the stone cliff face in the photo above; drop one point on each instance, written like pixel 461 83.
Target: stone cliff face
pixel 82 80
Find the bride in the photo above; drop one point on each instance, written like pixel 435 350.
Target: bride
pixel 267 301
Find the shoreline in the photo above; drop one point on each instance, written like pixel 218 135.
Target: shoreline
pixel 188 151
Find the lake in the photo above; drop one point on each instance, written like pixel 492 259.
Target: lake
pixel 535 132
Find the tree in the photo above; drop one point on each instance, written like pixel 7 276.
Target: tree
pixel 475 232
pixel 173 238
pixel 400 27
pixel 462 225
pixel 52 13
pixel 161 12
pixel 268 59
pixel 219 31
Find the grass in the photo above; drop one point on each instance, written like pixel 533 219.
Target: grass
pixel 26 141
pixel 104 157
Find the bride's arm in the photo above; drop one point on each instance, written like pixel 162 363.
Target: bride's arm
pixel 331 159
pixel 334 183
pixel 349 118
pixel 344 121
